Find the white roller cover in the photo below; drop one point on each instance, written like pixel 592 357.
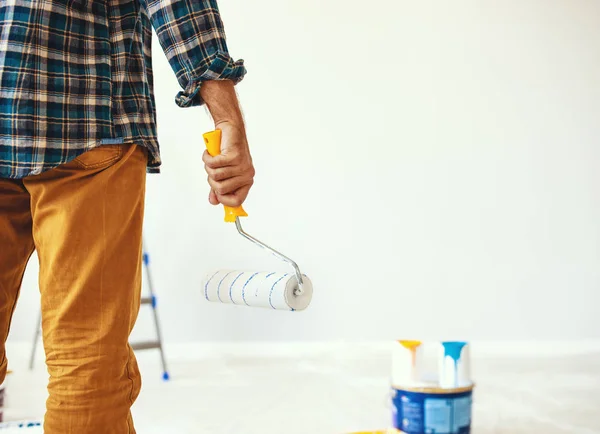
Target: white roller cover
pixel 270 290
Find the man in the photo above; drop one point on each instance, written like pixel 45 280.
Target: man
pixel 77 136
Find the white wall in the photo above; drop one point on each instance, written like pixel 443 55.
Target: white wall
pixel 432 165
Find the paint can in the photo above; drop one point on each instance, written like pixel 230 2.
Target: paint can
pixel 454 365
pixel 415 363
pixel 432 389
pixel 432 410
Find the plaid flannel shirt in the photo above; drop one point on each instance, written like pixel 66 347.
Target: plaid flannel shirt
pixel 76 74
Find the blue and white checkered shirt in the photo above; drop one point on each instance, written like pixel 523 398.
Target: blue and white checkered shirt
pixel 76 74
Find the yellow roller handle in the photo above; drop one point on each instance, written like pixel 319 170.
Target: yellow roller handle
pixel 212 140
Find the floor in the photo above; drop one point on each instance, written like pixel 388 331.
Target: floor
pixel 333 390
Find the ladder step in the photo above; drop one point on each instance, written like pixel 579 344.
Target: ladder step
pixel 146 300
pixel 150 345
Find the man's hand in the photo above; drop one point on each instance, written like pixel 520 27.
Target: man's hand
pixel 230 174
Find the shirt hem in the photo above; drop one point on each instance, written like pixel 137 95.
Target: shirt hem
pixel 20 171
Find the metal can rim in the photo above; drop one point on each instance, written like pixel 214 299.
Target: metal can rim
pixel 434 390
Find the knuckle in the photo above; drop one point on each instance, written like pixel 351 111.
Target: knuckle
pixel 248 178
pixel 216 162
pixel 221 174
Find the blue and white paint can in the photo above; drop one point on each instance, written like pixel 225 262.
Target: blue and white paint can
pixel 454 365
pixel 432 388
pixel 432 410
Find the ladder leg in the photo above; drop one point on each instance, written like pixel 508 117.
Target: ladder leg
pixel 155 314
pixel 36 338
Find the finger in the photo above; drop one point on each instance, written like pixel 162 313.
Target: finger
pixel 230 185
pixel 212 197
pixel 223 173
pixel 221 160
pixel 216 161
pixel 237 198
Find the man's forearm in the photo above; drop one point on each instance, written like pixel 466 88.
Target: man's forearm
pixel 222 101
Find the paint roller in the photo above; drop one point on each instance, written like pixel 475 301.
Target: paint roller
pixel 273 290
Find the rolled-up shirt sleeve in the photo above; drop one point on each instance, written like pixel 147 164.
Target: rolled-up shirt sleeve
pixel 192 35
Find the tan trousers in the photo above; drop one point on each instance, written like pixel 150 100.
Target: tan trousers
pixel 84 219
